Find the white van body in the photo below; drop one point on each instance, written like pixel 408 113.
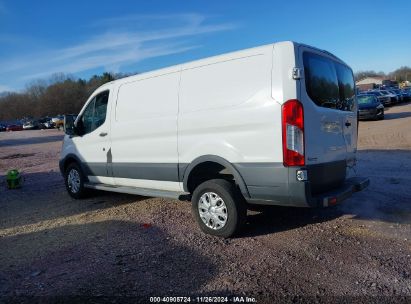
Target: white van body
pixel 167 131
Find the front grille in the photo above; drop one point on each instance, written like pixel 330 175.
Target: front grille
pixel 368 112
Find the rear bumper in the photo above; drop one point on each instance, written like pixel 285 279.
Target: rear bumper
pixel 335 197
pixel 278 185
pixel 302 197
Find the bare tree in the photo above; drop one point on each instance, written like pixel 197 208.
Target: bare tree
pixel 61 94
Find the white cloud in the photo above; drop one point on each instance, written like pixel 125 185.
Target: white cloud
pixel 117 46
pixel 109 60
pixel 140 19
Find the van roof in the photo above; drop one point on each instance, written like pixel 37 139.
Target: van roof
pixel 190 64
pixel 208 60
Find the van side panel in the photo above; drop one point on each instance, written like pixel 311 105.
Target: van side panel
pixel 144 133
pixel 226 109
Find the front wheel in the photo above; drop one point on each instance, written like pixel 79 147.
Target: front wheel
pixel 219 208
pixel 74 180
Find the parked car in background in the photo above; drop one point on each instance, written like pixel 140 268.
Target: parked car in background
pixel 49 124
pixel 398 93
pixel 2 128
pixel 14 127
pixel 43 123
pixel 369 107
pixel 390 83
pixel 393 97
pixel 58 121
pixel 407 94
pixel 31 125
pixel 404 95
pixel 385 100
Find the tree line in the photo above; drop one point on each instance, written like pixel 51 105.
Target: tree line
pixel 61 94
pixel 400 75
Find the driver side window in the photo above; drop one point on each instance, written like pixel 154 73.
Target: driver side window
pixel 87 117
pixel 95 113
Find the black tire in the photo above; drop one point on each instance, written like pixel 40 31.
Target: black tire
pixel 81 191
pixel 382 116
pixel 235 207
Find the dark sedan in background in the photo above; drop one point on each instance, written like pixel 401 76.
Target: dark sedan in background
pixel 369 107
pixel 382 98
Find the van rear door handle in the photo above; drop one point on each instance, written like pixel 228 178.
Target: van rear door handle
pixel 347 124
pixel 102 134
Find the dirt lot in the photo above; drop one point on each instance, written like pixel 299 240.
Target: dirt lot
pixel 120 245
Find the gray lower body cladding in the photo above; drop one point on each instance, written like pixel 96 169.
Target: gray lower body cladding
pixel 149 171
pixel 267 183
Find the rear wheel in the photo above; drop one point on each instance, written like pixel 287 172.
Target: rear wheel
pixel 219 208
pixel 74 180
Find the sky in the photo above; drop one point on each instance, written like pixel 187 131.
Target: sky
pixel 83 38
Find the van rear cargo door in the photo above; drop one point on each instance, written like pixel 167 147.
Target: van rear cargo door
pixel 327 93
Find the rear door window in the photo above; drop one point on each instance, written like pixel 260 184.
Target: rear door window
pixel 328 83
pixel 346 87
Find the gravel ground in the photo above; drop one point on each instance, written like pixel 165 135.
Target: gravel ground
pixel 123 248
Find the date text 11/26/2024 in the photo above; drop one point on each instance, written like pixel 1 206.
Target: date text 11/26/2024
pixel 232 299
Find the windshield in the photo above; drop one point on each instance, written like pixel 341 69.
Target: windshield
pixel 365 100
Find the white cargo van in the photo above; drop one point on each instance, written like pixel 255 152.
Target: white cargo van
pixel 273 125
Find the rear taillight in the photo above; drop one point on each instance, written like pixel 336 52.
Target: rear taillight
pixel 293 133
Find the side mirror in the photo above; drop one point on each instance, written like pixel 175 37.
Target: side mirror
pixel 69 127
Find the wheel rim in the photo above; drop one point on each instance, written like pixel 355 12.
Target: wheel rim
pixel 213 211
pixel 73 181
